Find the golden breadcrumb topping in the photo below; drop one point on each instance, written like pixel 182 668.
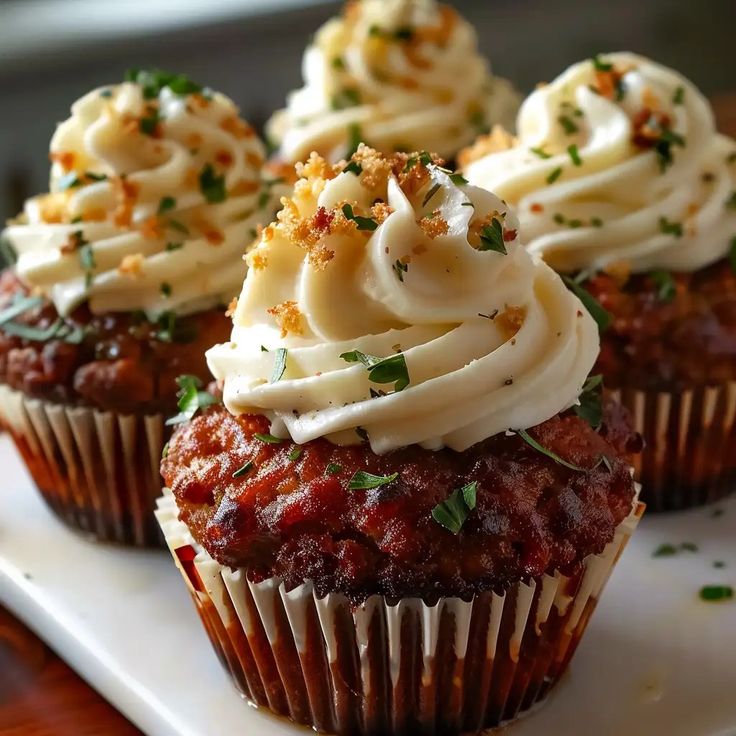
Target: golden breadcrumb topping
pixel 434 226
pixel 131 265
pixel 499 139
pixel 288 318
pixel 510 320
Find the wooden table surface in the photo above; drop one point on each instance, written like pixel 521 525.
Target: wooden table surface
pixel 42 696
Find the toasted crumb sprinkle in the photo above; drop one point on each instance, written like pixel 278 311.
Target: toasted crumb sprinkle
pixel 126 195
pixel 288 318
pixel 65 159
pixel 257 259
pixel 510 320
pixel 619 271
pixel 499 139
pixel 230 311
pixel 434 226
pixel 131 265
pixel 316 168
pixel 237 127
pixel 243 188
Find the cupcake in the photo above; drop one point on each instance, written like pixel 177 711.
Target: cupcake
pixel 623 184
pixel 123 268
pixel 403 516
pixel 401 75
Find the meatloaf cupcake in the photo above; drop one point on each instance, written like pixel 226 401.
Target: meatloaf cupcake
pixel 157 187
pixel 403 518
pixel 622 183
pixel 398 74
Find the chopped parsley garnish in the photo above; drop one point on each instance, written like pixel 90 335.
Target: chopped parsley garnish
pixel 363 223
pixel 191 399
pixel 148 124
pixel 732 254
pixel 568 124
pixel 166 204
pixel 433 190
pixel 665 550
pixel 178 226
pixel 670 228
pixel 172 330
pixel 730 203
pixel 665 284
pixel 601 66
pixel 540 448
pixel 353 168
pixel 590 407
pixel 295 454
pixel 663 147
pixel 269 439
pixel 338 63
pixel 597 312
pixel 244 469
pixel 424 158
pixel 458 180
pixel 86 258
pixel 35 334
pixel 540 153
pixel 719 564
pixel 405 33
pixel 165 451
pixel 174 246
pixel 166 289
pixel 670 550
pixel 345 98
pixel 554 175
pixel 107 93
pixel 363 481
pixel 382 370
pixel 333 469
pixel 491 237
pixel 679 97
pixel 279 365
pixel 453 512
pixel 154 80
pixel 20 305
pixel 575 155
pixel 211 185
pixel 596 222
pixel 714 593
pixel 355 138
pixel 400 269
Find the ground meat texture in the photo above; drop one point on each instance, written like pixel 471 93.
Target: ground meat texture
pixel 669 344
pixel 124 363
pixel 291 514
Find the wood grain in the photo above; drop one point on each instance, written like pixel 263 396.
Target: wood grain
pixel 41 696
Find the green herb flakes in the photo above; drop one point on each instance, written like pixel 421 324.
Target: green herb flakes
pixel 554 175
pixel 363 223
pixel 544 451
pixel 211 185
pixel 295 454
pixel 590 407
pixel 382 370
pixel 670 228
pixel 716 593
pixel 363 481
pixel 191 399
pixel 602 317
pixel 269 439
pixel 279 365
pixel 166 204
pixel 575 155
pixel 452 513
pixel 244 469
pixel 491 237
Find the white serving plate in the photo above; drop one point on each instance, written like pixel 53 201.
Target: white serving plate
pixel 655 661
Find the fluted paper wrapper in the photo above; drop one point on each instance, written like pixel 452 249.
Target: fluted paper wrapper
pixel 690 454
pixel 98 471
pixel 391 667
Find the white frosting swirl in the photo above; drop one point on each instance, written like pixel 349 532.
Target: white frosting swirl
pixel 490 341
pixel 139 227
pixel 624 201
pixel 399 74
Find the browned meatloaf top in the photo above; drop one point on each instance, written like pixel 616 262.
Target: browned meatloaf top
pixel 291 514
pixel 669 332
pixel 118 362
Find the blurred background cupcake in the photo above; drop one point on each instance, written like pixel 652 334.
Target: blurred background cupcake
pixel 401 75
pixel 405 515
pixel 623 183
pixel 123 270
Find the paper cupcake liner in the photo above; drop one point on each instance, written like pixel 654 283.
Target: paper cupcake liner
pixel 391 667
pixel 97 471
pixel 690 454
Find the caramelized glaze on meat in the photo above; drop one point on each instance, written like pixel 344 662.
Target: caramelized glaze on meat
pixel 662 344
pixel 294 517
pixel 122 364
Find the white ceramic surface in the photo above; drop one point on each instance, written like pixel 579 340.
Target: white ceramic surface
pixel 656 660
